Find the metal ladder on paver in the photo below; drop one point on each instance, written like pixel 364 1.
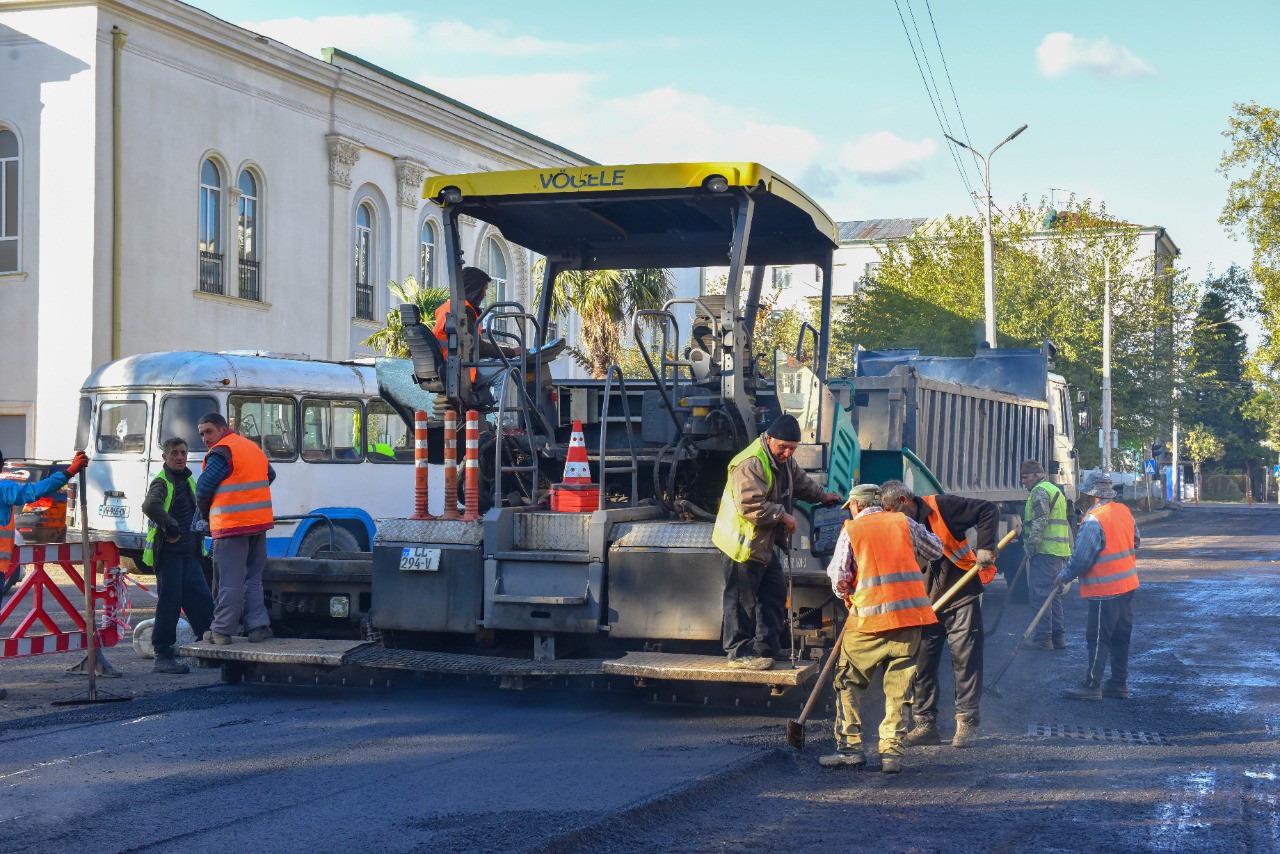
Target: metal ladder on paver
pixel 605 469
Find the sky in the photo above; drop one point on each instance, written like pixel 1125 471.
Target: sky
pixel 1125 102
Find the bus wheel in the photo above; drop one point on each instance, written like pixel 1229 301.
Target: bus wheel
pixel 316 541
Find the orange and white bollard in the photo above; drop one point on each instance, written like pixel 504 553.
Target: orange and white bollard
pixel 473 467
pixel 420 466
pixel 450 465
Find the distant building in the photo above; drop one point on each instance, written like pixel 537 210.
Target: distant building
pixel 258 198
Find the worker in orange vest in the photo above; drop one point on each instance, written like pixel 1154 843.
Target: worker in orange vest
pixel 877 567
pixel 959 625
pixel 1105 561
pixel 12 496
pixel 234 498
pixel 475 287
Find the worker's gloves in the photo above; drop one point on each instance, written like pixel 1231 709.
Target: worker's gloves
pixel 77 464
pixel 172 531
pixel 986 557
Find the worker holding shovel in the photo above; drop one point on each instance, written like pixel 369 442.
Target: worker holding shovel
pixel 877 568
pixel 1105 562
pixel 959 623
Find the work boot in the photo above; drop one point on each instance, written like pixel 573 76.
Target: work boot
pixel 1083 691
pixel 1041 643
pixel 1059 640
pixel 1116 690
pixel 260 634
pixel 966 735
pixel 750 662
pixel 890 763
pixel 843 759
pixel 924 732
pixel 217 638
pixel 168 664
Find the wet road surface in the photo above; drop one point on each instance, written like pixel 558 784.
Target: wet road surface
pixel 1190 763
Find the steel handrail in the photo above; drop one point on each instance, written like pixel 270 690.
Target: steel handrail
pixel 524 387
pixel 660 377
pixel 498 468
pixel 634 468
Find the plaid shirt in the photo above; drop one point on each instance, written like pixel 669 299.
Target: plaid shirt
pixel 843 568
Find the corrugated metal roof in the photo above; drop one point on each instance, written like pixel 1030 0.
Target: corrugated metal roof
pixel 879 229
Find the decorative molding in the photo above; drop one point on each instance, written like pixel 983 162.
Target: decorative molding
pixel 230 300
pixel 409 175
pixel 467 221
pixel 343 154
pixel 520 262
pixel 233 197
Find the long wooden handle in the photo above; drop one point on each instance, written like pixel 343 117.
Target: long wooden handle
pixel 825 674
pixel 964 579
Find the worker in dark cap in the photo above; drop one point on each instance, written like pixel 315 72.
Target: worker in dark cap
pixel 755 520
pixel 475 287
pixel 1047 539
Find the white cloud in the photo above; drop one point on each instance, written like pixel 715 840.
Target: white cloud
pixel 886 158
pixel 1063 53
pixel 457 37
pixel 387 35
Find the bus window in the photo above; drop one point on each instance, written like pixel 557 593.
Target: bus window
pixel 122 427
pixel 82 424
pixel 179 417
pixel 389 438
pixel 331 431
pixel 269 421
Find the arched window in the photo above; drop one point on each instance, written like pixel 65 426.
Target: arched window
pixel 427 256
pixel 250 237
pixel 365 223
pixel 10 198
pixel 495 264
pixel 210 240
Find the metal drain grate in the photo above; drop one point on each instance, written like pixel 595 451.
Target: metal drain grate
pixel 1093 733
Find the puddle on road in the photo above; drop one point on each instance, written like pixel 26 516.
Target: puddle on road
pixel 1262 775
pixel 1184 815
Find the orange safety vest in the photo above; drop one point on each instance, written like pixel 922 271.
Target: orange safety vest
pixel 1116 569
pixel 890 591
pixel 6 543
pixel 956 551
pixel 443 337
pixel 242 504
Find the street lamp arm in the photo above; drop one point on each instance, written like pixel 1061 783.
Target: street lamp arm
pixel 1008 138
pixel 959 143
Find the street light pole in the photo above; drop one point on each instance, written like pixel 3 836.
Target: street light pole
pixel 988 236
pixel 1106 366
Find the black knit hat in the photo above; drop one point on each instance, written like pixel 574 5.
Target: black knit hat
pixel 785 428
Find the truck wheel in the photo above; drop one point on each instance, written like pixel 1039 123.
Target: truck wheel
pixel 317 541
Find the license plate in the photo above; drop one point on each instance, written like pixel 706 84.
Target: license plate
pixel 113 511
pixel 417 559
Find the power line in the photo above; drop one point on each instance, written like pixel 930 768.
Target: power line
pixel 937 90
pixel 964 177
pixel 950 85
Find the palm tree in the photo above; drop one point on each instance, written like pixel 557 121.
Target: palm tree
pixel 390 338
pixel 604 299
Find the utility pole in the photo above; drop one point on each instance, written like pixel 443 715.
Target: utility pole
pixel 988 237
pixel 1105 438
pixel 1177 466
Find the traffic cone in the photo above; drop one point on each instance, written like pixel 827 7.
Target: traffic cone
pixel 576 493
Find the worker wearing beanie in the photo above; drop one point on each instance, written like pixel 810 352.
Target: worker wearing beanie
pixel 754 520
pixel 1047 539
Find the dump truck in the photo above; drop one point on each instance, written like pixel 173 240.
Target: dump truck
pixel 971 421
pixel 630 588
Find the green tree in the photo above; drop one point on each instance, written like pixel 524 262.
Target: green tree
pixel 1251 162
pixel 1201 445
pixel 1218 391
pixel 605 300
pixel 390 338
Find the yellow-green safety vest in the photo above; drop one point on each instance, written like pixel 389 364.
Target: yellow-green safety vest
pixel 732 533
pixel 1056 539
pixel 149 551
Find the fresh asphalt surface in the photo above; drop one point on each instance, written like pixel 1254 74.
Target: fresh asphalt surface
pixel 195 765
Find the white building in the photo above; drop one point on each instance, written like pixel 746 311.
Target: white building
pixel 170 181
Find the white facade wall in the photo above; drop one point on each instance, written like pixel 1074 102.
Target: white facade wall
pixel 320 137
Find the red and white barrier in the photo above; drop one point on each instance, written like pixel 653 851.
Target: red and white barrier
pixel 65 623
pixel 420 466
pixel 450 465
pixel 472 501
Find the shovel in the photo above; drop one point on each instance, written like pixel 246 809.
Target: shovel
pixel 795 729
pixel 1054 594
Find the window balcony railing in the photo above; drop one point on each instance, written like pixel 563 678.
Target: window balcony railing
pixel 250 287
pixel 211 272
pixel 364 301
